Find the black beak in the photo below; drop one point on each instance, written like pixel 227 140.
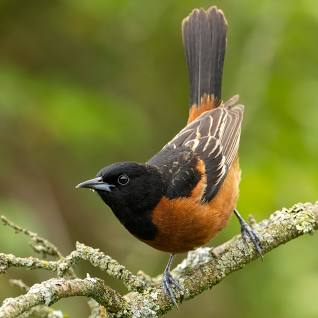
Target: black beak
pixel 96 184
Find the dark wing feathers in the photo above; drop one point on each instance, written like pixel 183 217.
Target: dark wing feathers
pixel 213 137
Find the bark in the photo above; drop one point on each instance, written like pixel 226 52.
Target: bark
pixel 201 270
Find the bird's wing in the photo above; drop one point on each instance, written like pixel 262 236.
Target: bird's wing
pixel 214 137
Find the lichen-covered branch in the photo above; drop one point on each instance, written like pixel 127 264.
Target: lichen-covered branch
pixel 41 311
pixel 50 291
pixel 82 252
pixel 202 269
pixel 38 243
pixel 111 266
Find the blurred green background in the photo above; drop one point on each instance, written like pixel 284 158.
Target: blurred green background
pixel 87 83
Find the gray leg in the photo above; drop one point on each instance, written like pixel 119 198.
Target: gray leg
pixel 168 282
pixel 247 231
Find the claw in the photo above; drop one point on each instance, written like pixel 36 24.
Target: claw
pixel 168 283
pixel 248 232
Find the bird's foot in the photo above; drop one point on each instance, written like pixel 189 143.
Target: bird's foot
pixel 169 285
pixel 248 232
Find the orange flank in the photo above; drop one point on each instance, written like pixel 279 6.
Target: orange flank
pixel 186 223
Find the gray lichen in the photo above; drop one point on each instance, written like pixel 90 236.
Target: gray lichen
pixel 202 269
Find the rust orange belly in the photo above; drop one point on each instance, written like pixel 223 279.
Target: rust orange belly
pixel 186 223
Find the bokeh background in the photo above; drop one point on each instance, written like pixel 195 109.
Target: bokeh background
pixel 87 83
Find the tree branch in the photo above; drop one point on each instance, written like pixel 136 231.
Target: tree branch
pixel 82 252
pixel 38 243
pixel 202 269
pixel 50 291
pixel 41 311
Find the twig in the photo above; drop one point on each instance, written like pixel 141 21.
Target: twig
pixel 82 252
pixel 50 291
pixel 38 243
pixel 40 311
pixel 10 260
pixel 111 266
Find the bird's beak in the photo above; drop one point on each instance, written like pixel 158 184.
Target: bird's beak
pixel 96 184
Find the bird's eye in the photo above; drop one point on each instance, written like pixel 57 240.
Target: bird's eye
pixel 123 179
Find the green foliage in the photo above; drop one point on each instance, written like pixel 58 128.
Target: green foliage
pixel 86 83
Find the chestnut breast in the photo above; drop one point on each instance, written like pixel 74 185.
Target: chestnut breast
pixel 185 223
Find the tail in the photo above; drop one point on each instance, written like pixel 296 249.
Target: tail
pixel 204 39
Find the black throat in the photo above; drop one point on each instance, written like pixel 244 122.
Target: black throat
pixel 133 205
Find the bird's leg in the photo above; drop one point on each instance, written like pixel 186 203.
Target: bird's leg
pixel 247 231
pixel 168 282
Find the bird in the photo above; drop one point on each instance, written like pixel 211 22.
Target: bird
pixel 184 195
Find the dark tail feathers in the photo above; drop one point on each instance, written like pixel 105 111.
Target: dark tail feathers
pixel 204 39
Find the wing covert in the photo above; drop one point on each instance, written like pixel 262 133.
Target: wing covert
pixel 214 137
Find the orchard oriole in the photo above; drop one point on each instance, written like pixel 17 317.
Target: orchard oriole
pixel 184 195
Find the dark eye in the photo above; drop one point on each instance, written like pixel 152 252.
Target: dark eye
pixel 123 179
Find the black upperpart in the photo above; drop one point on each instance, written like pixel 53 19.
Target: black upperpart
pixel 178 170
pixel 133 201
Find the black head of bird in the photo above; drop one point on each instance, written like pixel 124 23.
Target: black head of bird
pixel 131 190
